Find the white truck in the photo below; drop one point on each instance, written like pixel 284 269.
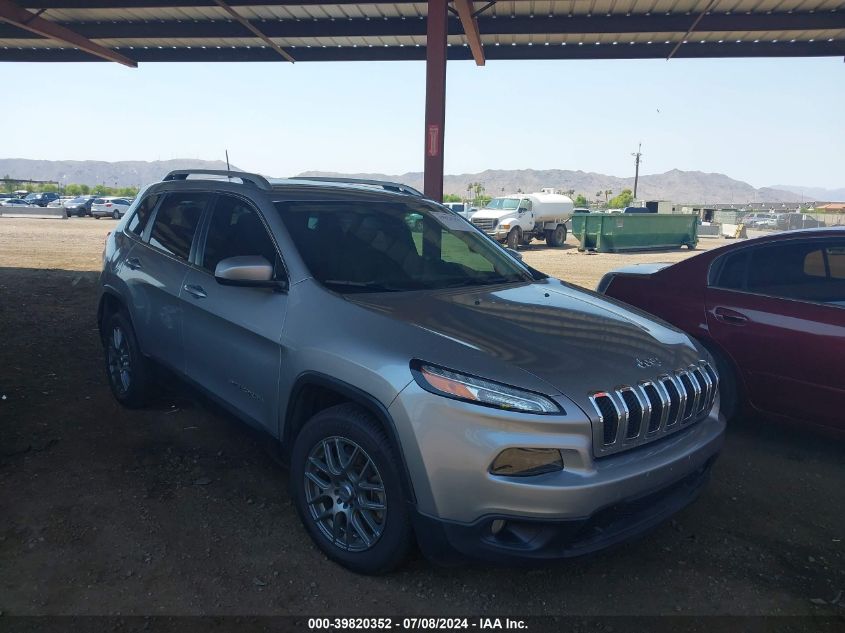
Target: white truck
pixel 521 217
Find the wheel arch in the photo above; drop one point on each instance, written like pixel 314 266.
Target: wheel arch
pixel 313 392
pixel 718 351
pixel 110 302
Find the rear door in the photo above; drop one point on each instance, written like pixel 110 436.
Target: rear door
pixel 779 311
pixel 232 334
pixel 154 271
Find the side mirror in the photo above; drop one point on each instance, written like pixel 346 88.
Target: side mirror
pixel 514 254
pixel 249 270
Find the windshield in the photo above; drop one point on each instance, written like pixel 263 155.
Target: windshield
pixel 507 204
pixel 394 246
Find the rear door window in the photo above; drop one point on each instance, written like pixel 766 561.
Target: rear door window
pixel 176 222
pixel 142 214
pixel 804 271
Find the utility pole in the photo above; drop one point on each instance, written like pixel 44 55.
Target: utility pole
pixel 637 156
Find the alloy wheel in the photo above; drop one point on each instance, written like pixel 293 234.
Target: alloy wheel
pixel 345 494
pixel 120 360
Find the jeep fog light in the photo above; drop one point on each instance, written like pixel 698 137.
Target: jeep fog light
pixel 525 462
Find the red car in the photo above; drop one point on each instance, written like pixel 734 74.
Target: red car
pixel 771 310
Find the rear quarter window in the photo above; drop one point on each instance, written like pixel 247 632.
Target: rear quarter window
pixel 729 271
pixel 142 214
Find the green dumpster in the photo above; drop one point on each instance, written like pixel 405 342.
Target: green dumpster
pixel 615 232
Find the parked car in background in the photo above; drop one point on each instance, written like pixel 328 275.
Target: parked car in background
pixel 79 206
pixel 58 203
pixel 109 207
pixel 14 202
pixel 760 221
pixel 41 199
pixel 580 210
pixel 792 221
pixel 463 209
pixel 424 385
pixel 639 210
pixel 771 310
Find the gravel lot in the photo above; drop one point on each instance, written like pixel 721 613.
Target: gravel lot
pixel 179 510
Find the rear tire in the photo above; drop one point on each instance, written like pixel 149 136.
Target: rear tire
pixel 514 238
pixel 115 214
pixel 127 369
pixel 557 237
pixel 346 485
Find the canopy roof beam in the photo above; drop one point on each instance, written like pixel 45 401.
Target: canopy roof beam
pixel 691 29
pixel 470 24
pixel 34 23
pixel 253 29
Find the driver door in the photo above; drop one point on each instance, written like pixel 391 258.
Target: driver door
pixel 526 214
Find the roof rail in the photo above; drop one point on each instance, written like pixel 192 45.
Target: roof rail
pixel 387 185
pixel 255 180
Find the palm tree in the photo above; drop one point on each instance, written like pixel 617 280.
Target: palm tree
pixel 607 192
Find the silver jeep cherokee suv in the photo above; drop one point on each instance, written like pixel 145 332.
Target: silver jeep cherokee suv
pixel 424 383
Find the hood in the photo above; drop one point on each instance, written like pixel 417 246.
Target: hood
pixel 495 214
pixel 573 340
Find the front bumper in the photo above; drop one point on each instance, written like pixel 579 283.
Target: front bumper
pixel 522 540
pixel 449 445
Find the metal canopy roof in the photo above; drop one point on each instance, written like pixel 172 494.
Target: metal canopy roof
pixel 131 31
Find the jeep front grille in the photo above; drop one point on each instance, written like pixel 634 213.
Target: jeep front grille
pixel 485 224
pixel 631 415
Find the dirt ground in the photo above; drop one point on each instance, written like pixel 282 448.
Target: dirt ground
pixel 178 510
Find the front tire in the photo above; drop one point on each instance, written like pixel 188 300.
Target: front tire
pixel 729 388
pixel 127 369
pixel 514 238
pixel 346 485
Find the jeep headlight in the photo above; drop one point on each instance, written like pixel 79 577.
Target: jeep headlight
pixel 458 386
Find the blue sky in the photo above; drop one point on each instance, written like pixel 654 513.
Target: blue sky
pixel 771 121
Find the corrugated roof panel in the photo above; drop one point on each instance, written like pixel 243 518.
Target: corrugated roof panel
pixel 18 43
pixel 285 16
pixel 503 8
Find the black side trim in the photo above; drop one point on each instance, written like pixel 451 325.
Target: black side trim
pixel 358 396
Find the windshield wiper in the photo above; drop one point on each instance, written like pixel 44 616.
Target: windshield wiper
pixel 372 286
pixel 486 281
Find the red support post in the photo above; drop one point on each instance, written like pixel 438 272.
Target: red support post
pixel 435 98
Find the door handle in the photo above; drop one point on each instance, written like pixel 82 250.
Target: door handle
pixel 134 263
pixel 729 316
pixel 195 291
